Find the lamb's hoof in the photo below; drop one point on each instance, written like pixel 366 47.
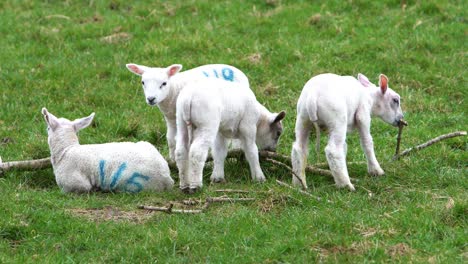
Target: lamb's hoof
pixel 260 180
pixel 193 190
pixel 185 190
pixel 190 190
pixel 376 172
pixel 350 186
pixel 218 180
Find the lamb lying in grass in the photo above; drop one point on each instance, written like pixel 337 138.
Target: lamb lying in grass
pixel 125 166
pixel 211 111
pixel 341 104
pixel 163 85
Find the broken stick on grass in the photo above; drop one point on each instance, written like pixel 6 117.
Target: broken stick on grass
pixel 429 143
pixel 401 124
pixel 169 209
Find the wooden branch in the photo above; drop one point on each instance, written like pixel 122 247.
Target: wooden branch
pixel 169 209
pixel 429 143
pixel 300 191
pixel 231 191
pixel 401 125
pixel 304 186
pixel 25 164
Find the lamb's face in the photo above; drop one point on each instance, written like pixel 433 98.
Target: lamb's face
pixel 155 85
pixel 386 101
pixel 155 81
pixel 388 108
pixel 269 132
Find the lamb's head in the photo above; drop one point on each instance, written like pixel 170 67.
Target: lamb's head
pixel 155 81
pixel 62 127
pixel 386 101
pixel 269 131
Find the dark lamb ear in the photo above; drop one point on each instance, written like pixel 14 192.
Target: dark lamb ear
pixel 279 117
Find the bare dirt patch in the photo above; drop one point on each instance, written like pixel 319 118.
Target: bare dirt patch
pixel 110 213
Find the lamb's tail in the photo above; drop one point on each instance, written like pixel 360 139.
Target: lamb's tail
pixel 312 112
pixel 187 117
pixel 317 141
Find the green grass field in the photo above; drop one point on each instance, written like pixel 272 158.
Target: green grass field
pixel 70 57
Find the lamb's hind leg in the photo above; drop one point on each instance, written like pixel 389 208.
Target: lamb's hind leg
pixel 76 183
pixel 203 139
pixel 336 157
pixel 219 152
pixel 181 154
pixel 300 150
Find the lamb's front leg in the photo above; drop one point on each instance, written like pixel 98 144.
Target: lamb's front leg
pixel 171 137
pixel 335 152
pixel 251 154
pixel 367 144
pixel 219 152
pixel 300 150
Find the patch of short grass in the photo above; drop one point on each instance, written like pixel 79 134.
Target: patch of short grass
pixel 71 56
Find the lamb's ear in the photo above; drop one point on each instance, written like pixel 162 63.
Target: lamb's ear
pixel 383 83
pixel 81 123
pixel 50 119
pixel 363 80
pixel 279 117
pixel 173 69
pixel 136 69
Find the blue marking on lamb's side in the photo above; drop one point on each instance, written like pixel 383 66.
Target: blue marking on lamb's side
pixel 117 175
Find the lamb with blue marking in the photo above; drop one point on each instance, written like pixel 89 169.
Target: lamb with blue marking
pixel 117 167
pixel 162 87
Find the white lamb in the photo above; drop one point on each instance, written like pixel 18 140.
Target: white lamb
pixel 341 104
pixel 211 111
pixel 163 85
pixel 126 166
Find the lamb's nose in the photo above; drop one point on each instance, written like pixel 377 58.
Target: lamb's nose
pixel 151 99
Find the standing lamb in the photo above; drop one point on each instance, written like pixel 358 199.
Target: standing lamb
pixel 125 166
pixel 341 104
pixel 163 85
pixel 208 113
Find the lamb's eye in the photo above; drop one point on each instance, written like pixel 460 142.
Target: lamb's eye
pixel 143 82
pixel 278 134
pixel 396 101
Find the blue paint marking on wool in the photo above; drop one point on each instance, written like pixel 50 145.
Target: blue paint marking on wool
pixel 133 181
pixel 101 173
pixel 228 74
pixel 117 175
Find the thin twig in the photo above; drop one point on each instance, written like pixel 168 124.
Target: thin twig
pixel 231 191
pixel 169 209
pixel 401 124
pixel 304 186
pixel 429 143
